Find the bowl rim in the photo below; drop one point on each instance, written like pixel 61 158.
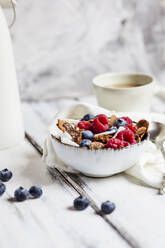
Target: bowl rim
pixel 102 86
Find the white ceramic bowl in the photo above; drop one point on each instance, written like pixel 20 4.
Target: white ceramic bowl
pixel 99 163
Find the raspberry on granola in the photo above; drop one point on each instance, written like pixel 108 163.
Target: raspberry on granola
pixel 127 135
pixel 115 143
pixel 128 120
pixel 132 128
pixel 100 124
pixel 105 133
pixel 84 125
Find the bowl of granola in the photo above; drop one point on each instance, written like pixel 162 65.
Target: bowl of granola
pixel 100 145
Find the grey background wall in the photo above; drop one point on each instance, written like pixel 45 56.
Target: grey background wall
pixel 60 45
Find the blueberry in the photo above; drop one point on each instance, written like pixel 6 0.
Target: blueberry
pixel 81 203
pixel 35 191
pixel 108 207
pixel 2 188
pixel 120 122
pixel 5 175
pixel 87 135
pixel 114 129
pixel 21 194
pixel 88 117
pixel 85 143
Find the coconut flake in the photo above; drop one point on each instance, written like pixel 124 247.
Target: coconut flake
pixel 104 133
pixel 67 139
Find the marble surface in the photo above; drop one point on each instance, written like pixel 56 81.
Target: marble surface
pixel 60 45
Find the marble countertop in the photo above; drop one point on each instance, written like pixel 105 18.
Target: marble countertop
pixel 60 45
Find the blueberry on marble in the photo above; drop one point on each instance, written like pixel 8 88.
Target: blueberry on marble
pixel 2 188
pixel 81 203
pixel 85 143
pixel 113 129
pixel 108 207
pixel 21 194
pixel 5 175
pixel 87 135
pixel 88 117
pixel 120 123
pixel 36 191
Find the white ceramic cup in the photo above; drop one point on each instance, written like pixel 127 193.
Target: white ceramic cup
pixel 123 99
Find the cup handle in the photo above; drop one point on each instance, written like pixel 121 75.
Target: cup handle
pixel 159 91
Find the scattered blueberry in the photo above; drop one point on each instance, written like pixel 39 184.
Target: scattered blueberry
pixel 85 143
pixel 5 175
pixel 2 188
pixel 88 117
pixel 35 191
pixel 114 129
pixel 81 203
pixel 21 194
pixel 108 207
pixel 87 135
pixel 120 122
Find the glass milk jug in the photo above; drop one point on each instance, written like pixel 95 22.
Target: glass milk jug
pixel 11 126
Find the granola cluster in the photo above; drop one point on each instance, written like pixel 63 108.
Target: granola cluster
pixel 101 131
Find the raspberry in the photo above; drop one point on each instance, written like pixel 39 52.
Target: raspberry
pixel 103 118
pixel 127 135
pixel 132 128
pixel 100 124
pixel 84 125
pixel 115 143
pixel 128 120
pixel 125 143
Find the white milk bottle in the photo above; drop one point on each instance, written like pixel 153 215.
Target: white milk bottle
pixel 11 126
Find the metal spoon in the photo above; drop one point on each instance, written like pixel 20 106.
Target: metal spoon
pixel 157 136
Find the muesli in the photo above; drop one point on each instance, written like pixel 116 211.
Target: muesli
pixel 101 131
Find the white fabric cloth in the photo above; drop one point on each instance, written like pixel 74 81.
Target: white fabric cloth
pixel 151 167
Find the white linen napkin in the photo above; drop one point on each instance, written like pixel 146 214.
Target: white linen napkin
pixel 150 168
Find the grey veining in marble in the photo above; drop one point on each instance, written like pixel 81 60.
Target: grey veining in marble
pixel 60 45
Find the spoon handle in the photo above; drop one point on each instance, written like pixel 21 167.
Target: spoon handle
pixel 162 188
